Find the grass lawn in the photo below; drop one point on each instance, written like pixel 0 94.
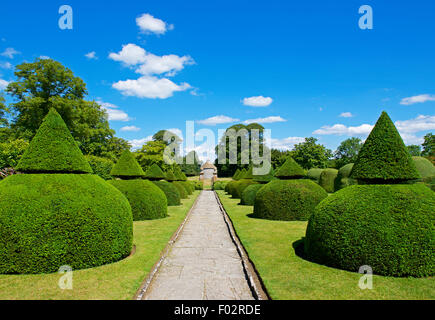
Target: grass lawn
pixel 287 276
pixel 118 280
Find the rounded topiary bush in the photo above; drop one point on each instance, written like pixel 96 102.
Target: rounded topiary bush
pixel 288 199
pixel 314 174
pixel 240 186
pixel 219 185
pixel 388 227
pixel 170 191
pixel 189 188
pixel 248 195
pixel 50 220
pixel 424 167
pixel 342 180
pixel 231 187
pixel 327 179
pixel 181 189
pixel 147 201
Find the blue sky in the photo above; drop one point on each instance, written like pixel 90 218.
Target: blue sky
pixel 156 64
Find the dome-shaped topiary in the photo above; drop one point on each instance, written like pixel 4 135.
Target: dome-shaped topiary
pixel 170 191
pixel 235 175
pixel 290 170
pixel 248 195
pixel 388 227
pixel 147 201
pixel 154 173
pixel 384 158
pixel 188 186
pixel 48 220
pixel 343 179
pixel 127 167
pixel 424 167
pixel 53 149
pixel 314 174
pixel 240 186
pixel 327 179
pixel 181 189
pixel 288 199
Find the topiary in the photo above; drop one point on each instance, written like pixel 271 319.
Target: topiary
pixel 290 170
pixel 384 158
pixel 343 179
pixel 170 176
pixel 242 174
pixel 327 179
pixel 265 178
pixel 248 195
pixel 127 167
pixel 235 175
pixel 230 186
pixel 424 167
pixel 388 227
pixel 147 201
pixel 181 189
pixel 240 186
pixel 219 185
pixel 314 174
pixel 288 199
pixel 170 191
pixel 189 188
pixel 48 220
pixel 100 166
pixel 154 173
pixel 199 185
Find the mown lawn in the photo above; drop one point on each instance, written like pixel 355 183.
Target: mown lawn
pixel 118 280
pixel 287 276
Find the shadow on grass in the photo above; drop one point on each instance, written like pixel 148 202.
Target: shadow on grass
pixel 298 247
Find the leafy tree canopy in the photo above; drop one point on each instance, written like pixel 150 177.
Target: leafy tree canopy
pixel 347 151
pixel 414 150
pixel 309 154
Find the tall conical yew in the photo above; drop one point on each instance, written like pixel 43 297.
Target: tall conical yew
pixel 127 167
pixel 154 173
pixel 236 174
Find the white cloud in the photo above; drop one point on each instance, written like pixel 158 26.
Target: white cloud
pixel 169 64
pixel 148 24
pixel 286 143
pixel 138 143
pixel 420 123
pixel 270 119
pixel 115 114
pixel 417 99
pixel 91 55
pixel 346 115
pixel 212 121
pixel 130 128
pixel 10 53
pixel 258 101
pixel 3 84
pixel 341 129
pixel 6 65
pixel 130 55
pixel 149 87
pixel 44 57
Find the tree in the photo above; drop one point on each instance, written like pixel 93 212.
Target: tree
pixel 46 84
pixel 278 157
pixel 152 153
pixel 309 154
pixel 347 151
pixel 11 152
pixel 414 150
pixel 429 145
pixel 191 165
pixel 3 112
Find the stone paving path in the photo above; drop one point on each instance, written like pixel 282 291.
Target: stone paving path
pixel 203 263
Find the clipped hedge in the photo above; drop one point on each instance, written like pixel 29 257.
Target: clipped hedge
pixel 219 185
pixel 388 227
pixel 147 201
pixel 327 179
pixel 51 220
pixel 100 166
pixel 171 192
pixel 288 199
pixel 240 186
pixel 343 179
pixel 230 187
pixel 199 185
pixel 188 186
pixel 127 167
pixel 181 189
pixel 249 194
pixel 314 174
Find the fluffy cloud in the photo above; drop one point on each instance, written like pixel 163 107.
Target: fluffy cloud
pixel 286 143
pixel 91 55
pixel 149 87
pixel 420 123
pixel 130 54
pixel 169 64
pixel 341 129
pixel 270 119
pixel 130 128
pixel 138 143
pixel 212 121
pixel 3 84
pixel 10 53
pixel 258 101
pixel 115 114
pixel 44 57
pixel 346 115
pixel 148 24
pixel 417 99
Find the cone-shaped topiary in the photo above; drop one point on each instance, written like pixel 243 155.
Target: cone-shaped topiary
pixel 170 176
pixel 327 179
pixel 388 227
pixel 242 174
pixel 290 170
pixel 236 174
pixel 383 157
pixel 343 179
pixel 170 191
pixel 49 220
pixel 249 174
pixel 53 149
pixel 127 167
pixel 154 173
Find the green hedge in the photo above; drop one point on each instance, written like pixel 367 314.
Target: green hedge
pixel 240 186
pixel 219 185
pixel 314 174
pixel 51 220
pixel 388 227
pixel 170 191
pixel 188 186
pixel 100 166
pixel 343 179
pixel 181 189
pixel 147 201
pixel 199 185
pixel 231 186
pixel 288 199
pixel 327 179
pixel 248 195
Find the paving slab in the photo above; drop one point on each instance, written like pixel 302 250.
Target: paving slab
pixel 203 263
